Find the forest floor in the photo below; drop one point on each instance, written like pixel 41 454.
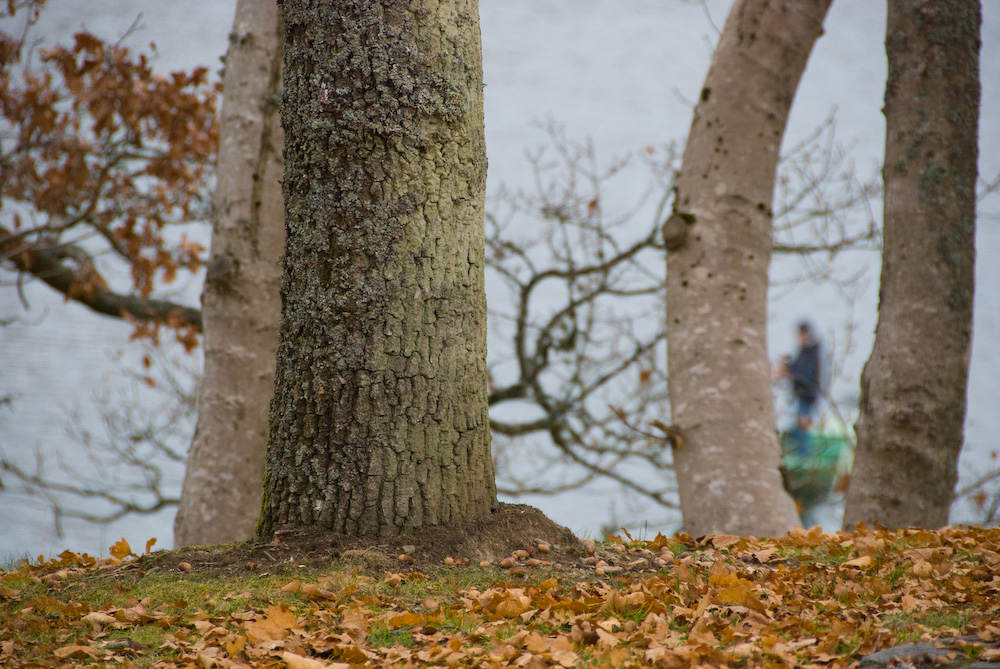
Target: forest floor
pixel 465 598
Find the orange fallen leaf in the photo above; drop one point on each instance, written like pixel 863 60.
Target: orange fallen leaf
pixel 77 652
pixel 121 550
pixel 275 625
pixel 406 620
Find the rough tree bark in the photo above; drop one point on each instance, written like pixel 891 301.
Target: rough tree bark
pixel 379 422
pixel 220 501
pixel 719 249
pixel 913 387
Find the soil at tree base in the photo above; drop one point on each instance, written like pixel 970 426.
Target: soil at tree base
pixel 511 527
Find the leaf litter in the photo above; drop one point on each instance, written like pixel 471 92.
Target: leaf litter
pixel 806 600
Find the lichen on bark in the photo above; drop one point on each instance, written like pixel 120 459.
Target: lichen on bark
pixel 379 422
pixel 913 387
pixel 717 273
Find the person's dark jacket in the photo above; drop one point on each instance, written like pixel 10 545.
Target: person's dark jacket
pixel 804 370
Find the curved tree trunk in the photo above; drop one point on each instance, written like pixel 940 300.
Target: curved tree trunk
pixel 913 388
pixel 719 250
pixel 379 422
pixel 222 485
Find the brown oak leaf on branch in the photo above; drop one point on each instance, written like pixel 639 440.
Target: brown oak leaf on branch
pixel 100 156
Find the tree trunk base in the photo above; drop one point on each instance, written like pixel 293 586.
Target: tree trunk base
pixel 511 527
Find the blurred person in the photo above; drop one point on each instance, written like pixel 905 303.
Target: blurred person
pixel 804 373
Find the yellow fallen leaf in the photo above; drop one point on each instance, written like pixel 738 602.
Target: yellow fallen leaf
pixel 867 545
pixel 863 562
pixel 801 643
pixel 655 653
pixel 208 659
pixel 279 616
pixel 614 602
pixel 740 595
pixel 566 658
pixel 98 618
pixel 764 556
pixel 617 656
pixel 610 625
pixel 294 661
pixel 726 578
pixel 606 639
pixel 312 590
pixel 513 607
pixel 235 646
pixel 356 618
pixel 275 625
pixel 518 639
pixel 536 643
pixel 724 540
pixel 685 574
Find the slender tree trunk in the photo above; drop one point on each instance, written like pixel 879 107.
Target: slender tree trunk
pixel 913 388
pixel 379 422
pixel 241 303
pixel 719 250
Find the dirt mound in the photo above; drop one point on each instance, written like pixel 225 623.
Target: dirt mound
pixel 511 527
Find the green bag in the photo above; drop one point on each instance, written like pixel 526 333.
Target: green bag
pixel 809 473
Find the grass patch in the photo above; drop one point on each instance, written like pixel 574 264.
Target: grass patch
pixel 805 599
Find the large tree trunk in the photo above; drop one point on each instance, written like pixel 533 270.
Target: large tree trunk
pixel 913 388
pixel 379 422
pixel 719 250
pixel 220 501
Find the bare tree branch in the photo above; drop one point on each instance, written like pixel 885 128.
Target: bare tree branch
pixel 76 284
pixel 580 291
pixel 134 466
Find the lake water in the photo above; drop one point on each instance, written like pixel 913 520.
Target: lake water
pixel 617 71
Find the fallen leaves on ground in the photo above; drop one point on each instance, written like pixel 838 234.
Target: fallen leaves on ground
pixel 807 600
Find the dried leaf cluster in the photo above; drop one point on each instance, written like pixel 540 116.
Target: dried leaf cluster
pixel 807 600
pixel 99 156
